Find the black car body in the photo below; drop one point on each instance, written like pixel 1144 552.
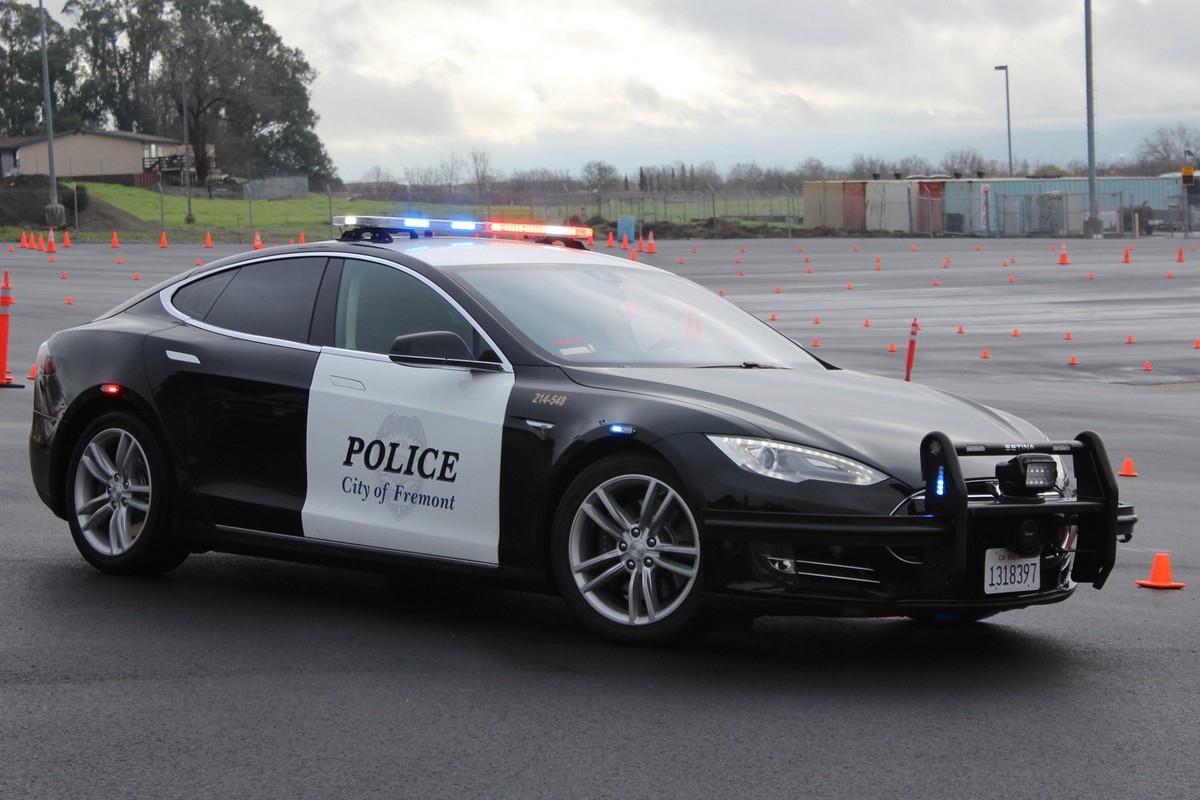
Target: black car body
pixel 542 413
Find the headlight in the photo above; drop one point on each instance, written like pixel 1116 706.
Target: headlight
pixel 791 462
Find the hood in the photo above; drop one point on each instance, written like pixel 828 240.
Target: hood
pixel 880 421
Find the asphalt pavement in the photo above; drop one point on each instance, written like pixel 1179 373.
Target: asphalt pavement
pixel 238 677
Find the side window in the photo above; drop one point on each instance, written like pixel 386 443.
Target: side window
pixel 197 298
pixel 271 298
pixel 378 303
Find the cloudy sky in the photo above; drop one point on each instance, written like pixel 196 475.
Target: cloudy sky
pixel 556 84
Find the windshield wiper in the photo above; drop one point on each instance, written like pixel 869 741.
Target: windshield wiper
pixel 743 365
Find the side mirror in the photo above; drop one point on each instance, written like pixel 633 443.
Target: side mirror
pixel 437 349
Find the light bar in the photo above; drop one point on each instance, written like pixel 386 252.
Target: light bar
pixel 537 229
pixel 460 226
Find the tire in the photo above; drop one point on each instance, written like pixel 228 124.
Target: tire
pixel 117 499
pixel 626 552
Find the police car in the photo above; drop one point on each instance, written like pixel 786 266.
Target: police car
pixel 496 398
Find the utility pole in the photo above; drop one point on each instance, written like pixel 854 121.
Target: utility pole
pixel 187 172
pixel 56 215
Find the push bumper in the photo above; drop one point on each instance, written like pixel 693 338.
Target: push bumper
pixel 944 544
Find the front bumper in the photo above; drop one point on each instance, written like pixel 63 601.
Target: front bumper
pixel 930 556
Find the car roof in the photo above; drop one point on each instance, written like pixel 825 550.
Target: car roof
pixel 445 251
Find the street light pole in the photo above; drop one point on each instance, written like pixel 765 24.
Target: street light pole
pixel 1008 115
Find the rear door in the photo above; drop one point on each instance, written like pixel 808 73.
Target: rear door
pixel 231 385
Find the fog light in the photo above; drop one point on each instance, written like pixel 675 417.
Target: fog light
pixel 784 565
pixel 1027 475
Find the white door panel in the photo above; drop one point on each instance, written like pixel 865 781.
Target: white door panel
pixel 405 458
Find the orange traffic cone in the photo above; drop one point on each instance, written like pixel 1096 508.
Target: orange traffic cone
pixel 1062 256
pixel 1179 258
pixel 650 244
pixel 1160 574
pixel 1125 260
pixel 66 238
pixel 611 243
pixel 51 247
pixel 985 353
pixel 208 238
pixel 115 243
pixel 32 373
pixel 69 302
pixel 891 347
pixel 41 244
pixel 258 245
pixel 641 248
pixel 1127 470
pixel 633 255
pixel 960 329
pixel 24 241
pixel 163 241
pixel 1074 362
pixel 816 342
pixel 302 238
pixel 1068 337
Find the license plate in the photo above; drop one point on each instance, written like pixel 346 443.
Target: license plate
pixel 1006 571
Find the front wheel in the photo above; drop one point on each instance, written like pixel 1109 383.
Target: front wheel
pixel 626 552
pixel 117 499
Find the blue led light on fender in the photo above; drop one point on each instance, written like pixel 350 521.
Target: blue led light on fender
pixel 621 430
pixel 940 486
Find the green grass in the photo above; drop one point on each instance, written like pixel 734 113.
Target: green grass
pixel 279 221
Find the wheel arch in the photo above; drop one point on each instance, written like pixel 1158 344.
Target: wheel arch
pixel 92 404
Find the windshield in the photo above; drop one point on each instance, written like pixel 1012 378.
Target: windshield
pixel 627 316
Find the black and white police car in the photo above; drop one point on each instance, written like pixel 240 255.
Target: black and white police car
pixel 442 393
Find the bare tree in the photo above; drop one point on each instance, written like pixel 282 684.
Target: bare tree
pixel 813 169
pixel 377 174
pixel 481 170
pixel 450 171
pixel 420 176
pixel 744 176
pixel 1166 149
pixel 863 167
pixel 599 175
pixel 914 165
pixel 966 161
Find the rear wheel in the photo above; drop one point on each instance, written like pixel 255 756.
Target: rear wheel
pixel 626 552
pixel 117 499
